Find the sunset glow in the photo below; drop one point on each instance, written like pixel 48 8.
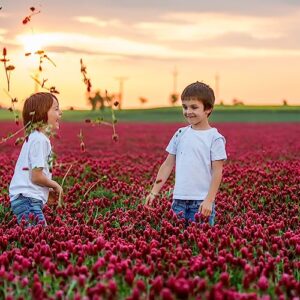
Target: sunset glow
pixel 254 50
pixel 31 43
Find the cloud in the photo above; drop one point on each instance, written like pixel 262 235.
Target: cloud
pixel 113 45
pixel 2 33
pixel 98 22
pixel 177 36
pixel 205 26
pixel 4 15
pixel 117 46
pixel 84 52
pixel 144 9
pixel 112 56
pixel 180 30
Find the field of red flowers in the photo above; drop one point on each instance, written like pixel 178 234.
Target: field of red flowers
pixel 104 244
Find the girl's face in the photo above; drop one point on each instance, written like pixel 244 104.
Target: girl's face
pixel 54 115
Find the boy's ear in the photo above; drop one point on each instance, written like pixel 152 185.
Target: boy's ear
pixel 208 111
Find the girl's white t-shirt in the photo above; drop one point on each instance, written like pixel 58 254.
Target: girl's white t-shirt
pixel 35 153
pixel 195 150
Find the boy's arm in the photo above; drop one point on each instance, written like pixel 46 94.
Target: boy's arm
pixel 162 176
pixel 38 177
pixel 217 169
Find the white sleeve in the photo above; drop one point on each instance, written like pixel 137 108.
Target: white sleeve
pixel 218 151
pixel 38 154
pixel 172 146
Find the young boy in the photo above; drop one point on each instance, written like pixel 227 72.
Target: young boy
pixel 199 152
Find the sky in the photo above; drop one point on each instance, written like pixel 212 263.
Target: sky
pixel 245 50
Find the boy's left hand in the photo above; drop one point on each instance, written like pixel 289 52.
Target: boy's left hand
pixel 206 208
pixel 149 200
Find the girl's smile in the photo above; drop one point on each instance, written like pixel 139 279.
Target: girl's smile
pixel 54 115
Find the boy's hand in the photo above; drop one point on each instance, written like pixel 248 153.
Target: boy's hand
pixel 149 199
pixel 206 208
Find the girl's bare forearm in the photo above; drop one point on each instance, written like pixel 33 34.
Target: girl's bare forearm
pixel 42 180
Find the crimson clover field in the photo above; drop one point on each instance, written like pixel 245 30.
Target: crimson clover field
pixel 104 244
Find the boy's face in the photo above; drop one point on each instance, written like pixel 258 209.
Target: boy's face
pixel 54 115
pixel 193 111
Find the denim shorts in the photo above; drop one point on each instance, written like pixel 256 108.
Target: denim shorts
pixel 29 209
pixel 187 209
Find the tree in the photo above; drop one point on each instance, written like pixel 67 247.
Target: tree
pixel 236 101
pixel 99 100
pixel 93 102
pixel 143 100
pixel 96 100
pixel 174 98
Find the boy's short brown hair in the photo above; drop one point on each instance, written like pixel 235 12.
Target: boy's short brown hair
pixel 36 108
pixel 200 91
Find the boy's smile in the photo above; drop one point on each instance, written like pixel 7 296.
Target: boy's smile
pixel 193 111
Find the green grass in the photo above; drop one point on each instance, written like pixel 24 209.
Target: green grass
pixel 174 114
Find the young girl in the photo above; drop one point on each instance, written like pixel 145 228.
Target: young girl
pixel 29 187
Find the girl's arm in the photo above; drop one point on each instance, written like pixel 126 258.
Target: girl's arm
pixel 38 177
pixel 217 169
pixel 162 176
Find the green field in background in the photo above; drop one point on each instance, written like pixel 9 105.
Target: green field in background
pixel 174 114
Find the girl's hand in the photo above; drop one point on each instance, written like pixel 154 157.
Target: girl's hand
pixel 52 198
pixel 206 208
pixel 58 189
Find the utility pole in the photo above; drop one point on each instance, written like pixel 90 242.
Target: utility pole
pixel 217 87
pixel 121 80
pixel 175 75
pixel 174 95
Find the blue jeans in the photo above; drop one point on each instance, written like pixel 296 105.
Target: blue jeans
pixel 188 208
pixel 24 207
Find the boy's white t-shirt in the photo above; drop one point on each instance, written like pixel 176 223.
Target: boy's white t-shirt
pixel 195 150
pixel 35 153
